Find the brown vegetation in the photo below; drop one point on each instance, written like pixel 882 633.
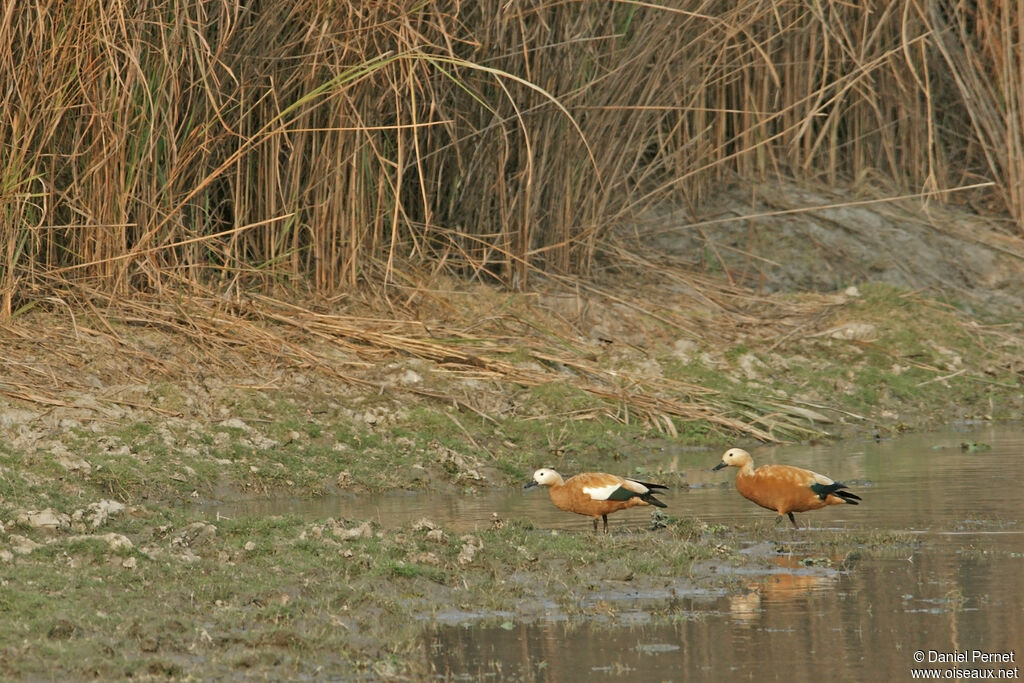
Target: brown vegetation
pixel 192 166
pixel 148 145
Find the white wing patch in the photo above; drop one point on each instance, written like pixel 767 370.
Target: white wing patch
pixel 600 492
pixel 822 479
pixel 634 486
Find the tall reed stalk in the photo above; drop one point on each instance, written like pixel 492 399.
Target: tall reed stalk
pixel 982 45
pixel 154 143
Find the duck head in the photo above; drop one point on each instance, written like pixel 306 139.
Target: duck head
pixel 545 476
pixel 734 457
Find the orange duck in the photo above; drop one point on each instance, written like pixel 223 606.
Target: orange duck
pixel 784 488
pixel 595 494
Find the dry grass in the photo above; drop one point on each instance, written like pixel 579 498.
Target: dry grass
pixel 223 152
pixel 502 342
pixel 216 142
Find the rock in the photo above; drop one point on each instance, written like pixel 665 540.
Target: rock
pixel 425 558
pixel 21 545
pixel 854 331
pixel 410 377
pixel 684 350
pixel 751 365
pixel 424 524
pixel 362 531
pixel 470 546
pixel 48 519
pixel 97 514
pixel 115 541
pixel 194 535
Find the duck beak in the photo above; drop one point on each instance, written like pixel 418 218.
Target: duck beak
pixel 718 466
pixel 529 485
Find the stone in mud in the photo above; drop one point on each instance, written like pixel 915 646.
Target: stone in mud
pixel 194 535
pixel 470 546
pixel 114 541
pixel 21 545
pixel 48 519
pixel 362 531
pixel 425 558
pixel 97 514
pixel 424 524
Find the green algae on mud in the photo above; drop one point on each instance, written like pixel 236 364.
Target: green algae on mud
pixel 282 596
pixel 158 589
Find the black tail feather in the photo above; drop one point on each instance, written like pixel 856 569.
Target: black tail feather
pixel 650 485
pixel 835 489
pixel 649 498
pixel 850 498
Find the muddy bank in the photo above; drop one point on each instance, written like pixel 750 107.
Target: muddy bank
pixel 793 238
pixel 303 594
pixel 290 598
pixel 120 431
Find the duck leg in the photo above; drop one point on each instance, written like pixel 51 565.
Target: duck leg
pixel 605 518
pixel 793 519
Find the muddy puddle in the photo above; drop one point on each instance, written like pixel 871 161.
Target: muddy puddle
pixel 958 590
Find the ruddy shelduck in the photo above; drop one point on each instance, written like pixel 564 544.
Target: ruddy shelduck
pixel 784 488
pixel 595 494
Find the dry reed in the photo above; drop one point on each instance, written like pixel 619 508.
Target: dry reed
pixel 156 150
pixel 511 346
pixel 332 144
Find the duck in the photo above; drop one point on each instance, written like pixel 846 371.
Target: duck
pixel 596 494
pixel 784 488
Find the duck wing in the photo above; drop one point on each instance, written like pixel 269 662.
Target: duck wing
pixel 600 486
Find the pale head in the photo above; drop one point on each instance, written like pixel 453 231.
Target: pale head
pixel 546 476
pixel 734 457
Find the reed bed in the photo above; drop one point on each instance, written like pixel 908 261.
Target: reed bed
pixel 332 144
pixel 159 158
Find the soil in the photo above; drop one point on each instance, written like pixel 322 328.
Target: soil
pixel 746 271
pixel 759 322
pixel 774 239
pixel 742 273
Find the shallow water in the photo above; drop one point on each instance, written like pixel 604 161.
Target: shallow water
pixel 960 590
